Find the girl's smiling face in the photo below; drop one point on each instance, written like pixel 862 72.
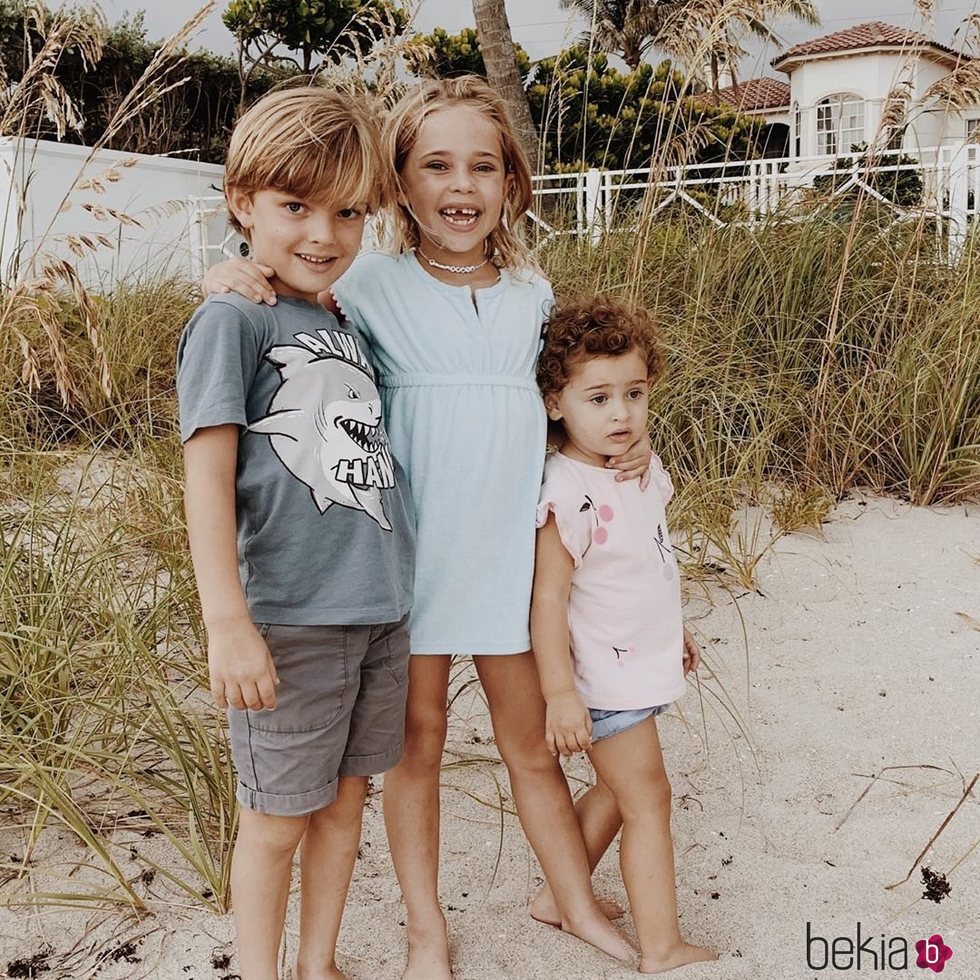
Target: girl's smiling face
pixel 454 183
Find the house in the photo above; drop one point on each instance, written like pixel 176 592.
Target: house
pixel 839 85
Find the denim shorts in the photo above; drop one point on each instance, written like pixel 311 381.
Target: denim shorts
pixel 606 723
pixel 340 712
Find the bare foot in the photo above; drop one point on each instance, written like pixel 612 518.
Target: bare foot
pixel 679 955
pixel 598 931
pixel 331 972
pixel 543 908
pixel 428 954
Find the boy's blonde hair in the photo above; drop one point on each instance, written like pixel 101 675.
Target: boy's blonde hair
pixel 311 142
pixel 400 133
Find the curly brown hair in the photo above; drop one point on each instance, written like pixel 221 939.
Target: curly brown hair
pixel 594 326
pixel 597 326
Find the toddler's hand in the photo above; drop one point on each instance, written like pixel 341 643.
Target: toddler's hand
pixel 241 668
pixel 248 279
pixel 634 462
pixel 692 653
pixel 568 726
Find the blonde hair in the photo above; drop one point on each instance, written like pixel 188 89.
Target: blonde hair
pixel 400 133
pixel 311 142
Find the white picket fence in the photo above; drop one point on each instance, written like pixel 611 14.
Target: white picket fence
pixel 595 202
pixel 592 203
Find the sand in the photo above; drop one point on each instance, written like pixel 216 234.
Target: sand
pixel 857 654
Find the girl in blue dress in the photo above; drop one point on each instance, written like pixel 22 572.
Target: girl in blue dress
pixel 454 317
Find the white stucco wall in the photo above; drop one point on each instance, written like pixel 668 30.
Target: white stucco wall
pixel 871 76
pixel 40 210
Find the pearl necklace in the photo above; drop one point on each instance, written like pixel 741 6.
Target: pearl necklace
pixel 459 270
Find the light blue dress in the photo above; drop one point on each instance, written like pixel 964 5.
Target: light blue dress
pixel 467 423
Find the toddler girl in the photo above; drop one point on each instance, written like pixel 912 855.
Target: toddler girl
pixel 606 625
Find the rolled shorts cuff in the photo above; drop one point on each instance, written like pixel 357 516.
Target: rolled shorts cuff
pixel 288 804
pixel 607 723
pixel 372 765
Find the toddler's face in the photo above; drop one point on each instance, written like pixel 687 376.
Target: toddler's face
pixel 310 243
pixel 603 408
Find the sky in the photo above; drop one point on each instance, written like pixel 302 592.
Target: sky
pixel 543 27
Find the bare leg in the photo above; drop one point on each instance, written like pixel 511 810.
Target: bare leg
pixel 411 809
pixel 632 766
pixel 543 801
pixel 260 870
pixel 599 820
pixel 326 864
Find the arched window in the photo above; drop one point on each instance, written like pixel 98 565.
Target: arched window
pixel 840 123
pixel 797 131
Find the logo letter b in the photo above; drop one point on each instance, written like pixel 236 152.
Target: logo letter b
pixel 810 942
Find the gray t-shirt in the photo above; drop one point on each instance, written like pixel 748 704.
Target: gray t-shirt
pixel 325 526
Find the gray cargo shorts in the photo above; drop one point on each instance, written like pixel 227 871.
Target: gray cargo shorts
pixel 340 712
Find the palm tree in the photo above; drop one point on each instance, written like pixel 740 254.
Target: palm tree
pixel 627 27
pixel 497 46
pixel 692 31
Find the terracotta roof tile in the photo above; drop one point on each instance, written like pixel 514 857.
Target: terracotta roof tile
pixel 755 94
pixel 873 34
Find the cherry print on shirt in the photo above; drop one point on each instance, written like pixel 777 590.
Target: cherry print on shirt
pixel 602 514
pixel 621 653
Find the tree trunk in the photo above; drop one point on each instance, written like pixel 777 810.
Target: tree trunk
pixel 497 46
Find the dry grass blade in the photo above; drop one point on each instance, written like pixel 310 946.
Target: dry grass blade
pixel 894 113
pixel 935 836
pixel 926 9
pixel 875 777
pixel 957 91
pixel 59 270
pixel 38 93
pixel 970 621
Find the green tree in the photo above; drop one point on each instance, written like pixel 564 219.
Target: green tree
pixel 444 55
pixel 626 27
pixel 193 119
pixel 694 32
pixel 266 30
pixel 594 115
pixel 590 113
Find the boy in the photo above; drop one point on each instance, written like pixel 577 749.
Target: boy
pixel 285 449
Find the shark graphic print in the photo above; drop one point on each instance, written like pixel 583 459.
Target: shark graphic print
pixel 324 423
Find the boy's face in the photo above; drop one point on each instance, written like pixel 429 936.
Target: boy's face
pixel 604 406
pixel 309 243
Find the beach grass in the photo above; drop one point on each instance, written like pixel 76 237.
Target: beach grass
pixel 784 390
pixel 808 356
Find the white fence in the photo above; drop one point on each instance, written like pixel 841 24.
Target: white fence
pixel 941 185
pixel 123 216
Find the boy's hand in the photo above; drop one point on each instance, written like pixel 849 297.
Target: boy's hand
pixel 634 462
pixel 248 279
pixel 692 653
pixel 241 668
pixel 568 726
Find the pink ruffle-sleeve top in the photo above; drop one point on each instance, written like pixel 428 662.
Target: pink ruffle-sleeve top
pixel 624 612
